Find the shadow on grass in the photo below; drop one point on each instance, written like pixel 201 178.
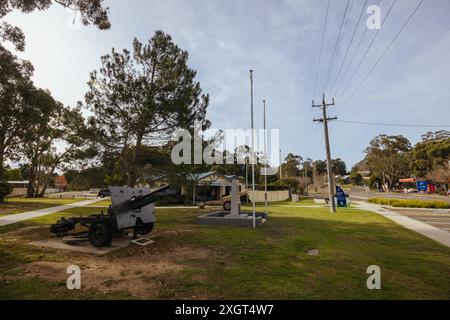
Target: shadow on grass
pixel 272 262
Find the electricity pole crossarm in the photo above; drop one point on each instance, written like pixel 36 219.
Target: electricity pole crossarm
pixel 325 120
pixel 328 119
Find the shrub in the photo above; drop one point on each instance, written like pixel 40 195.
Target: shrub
pixel 173 200
pixel 397 203
pixel 5 189
pixel 356 178
pixel 284 184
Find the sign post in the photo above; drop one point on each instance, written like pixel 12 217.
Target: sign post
pixel 386 189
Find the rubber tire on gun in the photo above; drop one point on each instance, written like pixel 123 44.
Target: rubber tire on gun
pixel 100 234
pixel 227 206
pixel 144 229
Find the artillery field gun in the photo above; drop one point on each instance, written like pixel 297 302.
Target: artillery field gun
pixel 131 209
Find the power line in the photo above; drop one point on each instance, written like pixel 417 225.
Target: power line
pixel 395 124
pixel 311 128
pixel 341 41
pixel 352 59
pixel 385 52
pixel 337 44
pixel 321 50
pixel 353 56
pixel 368 49
pixel 349 46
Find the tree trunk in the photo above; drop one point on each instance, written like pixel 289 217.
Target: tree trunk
pixel 31 179
pixel 132 177
pixel 2 157
pixel 42 192
pixel 1 164
pixel 47 178
pixel 38 183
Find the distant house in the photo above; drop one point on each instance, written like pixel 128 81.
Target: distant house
pixel 61 183
pixel 343 179
pixel 363 169
pixel 409 180
pixel 19 188
pixel 365 174
pixel 210 186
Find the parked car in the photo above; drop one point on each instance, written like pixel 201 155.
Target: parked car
pixel 104 193
pixel 410 190
pixel 94 191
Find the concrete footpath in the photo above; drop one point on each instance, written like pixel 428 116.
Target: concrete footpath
pixel 425 229
pixel 13 218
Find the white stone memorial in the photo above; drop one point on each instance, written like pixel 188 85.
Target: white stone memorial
pixel 235 199
pixel 235 217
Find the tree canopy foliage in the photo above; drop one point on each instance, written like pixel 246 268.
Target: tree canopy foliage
pixel 389 157
pixel 142 96
pixel 431 153
pixel 291 166
pixel 136 99
pixel 16 91
pixel 33 123
pixel 90 11
pixel 339 167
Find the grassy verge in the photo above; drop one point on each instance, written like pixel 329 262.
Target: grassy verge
pixel 411 203
pixel 103 203
pixel 18 205
pixel 271 262
pixel 106 203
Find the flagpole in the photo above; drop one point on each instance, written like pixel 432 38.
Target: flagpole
pixel 253 151
pixel 265 156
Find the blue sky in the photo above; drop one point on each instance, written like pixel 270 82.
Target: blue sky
pixel 280 40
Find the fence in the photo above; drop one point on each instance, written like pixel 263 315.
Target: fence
pixel 272 196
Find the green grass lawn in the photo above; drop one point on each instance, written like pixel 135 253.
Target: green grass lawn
pixel 106 203
pixel 103 203
pixel 18 205
pixel 201 262
pixel 301 203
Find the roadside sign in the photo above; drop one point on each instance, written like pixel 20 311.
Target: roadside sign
pixel 422 186
pixel 341 197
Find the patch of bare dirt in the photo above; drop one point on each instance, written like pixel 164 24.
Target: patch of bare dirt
pixel 141 276
pixel 145 272
pixel 26 234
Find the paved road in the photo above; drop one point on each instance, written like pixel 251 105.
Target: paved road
pixel 437 218
pixel 72 195
pixel 13 218
pixel 427 229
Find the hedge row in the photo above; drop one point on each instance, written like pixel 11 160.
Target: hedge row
pixel 411 203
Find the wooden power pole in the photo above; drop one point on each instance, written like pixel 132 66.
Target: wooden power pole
pixel 325 120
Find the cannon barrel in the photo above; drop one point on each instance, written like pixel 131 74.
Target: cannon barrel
pixel 141 201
